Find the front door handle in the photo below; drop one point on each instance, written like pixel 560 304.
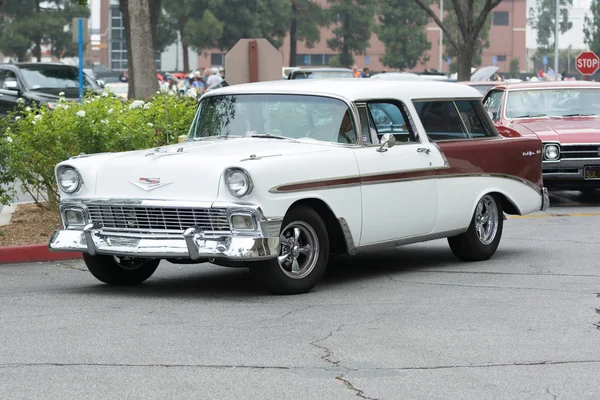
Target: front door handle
pixel 423 150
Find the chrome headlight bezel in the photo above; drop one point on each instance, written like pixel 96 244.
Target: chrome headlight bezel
pixel 549 147
pixel 64 169
pixel 234 174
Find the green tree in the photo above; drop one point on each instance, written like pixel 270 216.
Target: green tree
pixel 402 31
pixel 27 25
pixel 166 32
pixel 354 24
pixel 269 19
pixel 196 23
pixel 482 41
pixel 591 29
pixel 515 69
pixel 305 20
pixel 542 18
pixel 470 24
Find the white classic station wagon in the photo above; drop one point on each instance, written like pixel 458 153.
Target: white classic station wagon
pixel 276 176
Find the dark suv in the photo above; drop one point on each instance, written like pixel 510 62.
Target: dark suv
pixel 39 83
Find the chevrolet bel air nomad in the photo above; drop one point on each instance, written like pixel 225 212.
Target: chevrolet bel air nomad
pixel 565 116
pixel 276 176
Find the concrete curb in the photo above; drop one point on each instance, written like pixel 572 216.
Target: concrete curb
pixel 28 253
pixel 34 253
pixel 7 213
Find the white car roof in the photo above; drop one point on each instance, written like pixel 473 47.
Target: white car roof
pixel 357 89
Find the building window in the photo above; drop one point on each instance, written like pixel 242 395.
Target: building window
pixel 217 59
pixel 501 58
pixel 501 18
pixel 313 59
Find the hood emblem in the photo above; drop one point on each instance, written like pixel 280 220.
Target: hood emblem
pixel 149 184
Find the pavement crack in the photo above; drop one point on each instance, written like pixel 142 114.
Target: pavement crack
pixel 359 392
pixel 492 365
pixel 328 353
pixel 296 310
pixel 503 273
pixel 483 286
pixel 163 365
pixel 550 393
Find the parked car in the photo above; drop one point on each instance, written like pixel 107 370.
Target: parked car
pixel 565 115
pixel 320 73
pixel 39 83
pixel 276 176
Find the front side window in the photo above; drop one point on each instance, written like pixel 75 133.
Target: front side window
pixel 553 102
pixel 292 116
pixel 441 120
pixel 493 104
pixel 54 78
pixel 389 117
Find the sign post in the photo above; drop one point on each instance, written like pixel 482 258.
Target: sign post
pixel 80 36
pixel 253 60
pixel 587 63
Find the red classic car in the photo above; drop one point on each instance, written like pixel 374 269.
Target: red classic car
pixel 565 116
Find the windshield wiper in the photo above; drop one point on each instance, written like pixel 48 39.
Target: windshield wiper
pixel 196 139
pixel 270 136
pixel 531 116
pixel 580 115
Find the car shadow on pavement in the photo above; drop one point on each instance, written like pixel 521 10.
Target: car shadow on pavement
pixel 236 283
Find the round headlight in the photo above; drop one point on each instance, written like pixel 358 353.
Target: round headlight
pixel 69 180
pixel 551 152
pixel 238 182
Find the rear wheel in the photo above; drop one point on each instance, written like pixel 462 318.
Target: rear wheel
pixel 302 258
pixel 482 238
pixel 120 271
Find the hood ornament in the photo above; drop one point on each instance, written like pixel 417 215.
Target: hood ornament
pixel 149 184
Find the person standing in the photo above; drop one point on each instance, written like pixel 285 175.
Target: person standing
pixel 214 79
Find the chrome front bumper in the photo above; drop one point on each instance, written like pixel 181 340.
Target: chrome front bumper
pixel 193 243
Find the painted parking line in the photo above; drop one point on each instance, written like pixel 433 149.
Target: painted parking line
pixel 554 215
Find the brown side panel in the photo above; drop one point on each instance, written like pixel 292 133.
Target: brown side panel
pixel 495 156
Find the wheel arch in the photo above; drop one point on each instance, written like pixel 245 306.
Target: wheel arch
pixel 508 205
pixel 340 238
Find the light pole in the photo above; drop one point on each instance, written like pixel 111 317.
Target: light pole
pixel 441 35
pixel 556 41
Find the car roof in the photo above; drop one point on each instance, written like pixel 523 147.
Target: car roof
pixel 43 65
pixel 356 89
pixel 549 85
pixel 323 69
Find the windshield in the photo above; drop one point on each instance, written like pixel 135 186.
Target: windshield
pixel 54 78
pixel 290 116
pixel 323 75
pixel 553 102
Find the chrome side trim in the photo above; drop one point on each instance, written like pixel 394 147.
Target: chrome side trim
pixel 446 163
pixel 408 240
pixel 545 200
pixel 347 236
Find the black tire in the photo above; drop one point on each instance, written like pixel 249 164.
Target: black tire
pixel 469 246
pixel 123 272
pixel 270 274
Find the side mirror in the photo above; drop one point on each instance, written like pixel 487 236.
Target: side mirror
pixel 491 115
pixel 387 141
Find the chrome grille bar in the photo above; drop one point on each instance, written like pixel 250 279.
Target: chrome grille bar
pixel 580 151
pixel 158 218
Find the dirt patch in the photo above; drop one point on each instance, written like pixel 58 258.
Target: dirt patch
pixel 30 224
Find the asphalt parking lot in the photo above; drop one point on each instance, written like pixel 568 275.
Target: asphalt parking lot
pixel 410 323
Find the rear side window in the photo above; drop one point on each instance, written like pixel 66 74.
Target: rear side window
pixel 441 120
pixel 474 124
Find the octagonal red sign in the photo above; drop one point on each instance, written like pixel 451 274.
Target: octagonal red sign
pixel 587 63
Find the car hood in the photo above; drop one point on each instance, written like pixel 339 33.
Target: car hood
pixel 567 131
pixel 191 170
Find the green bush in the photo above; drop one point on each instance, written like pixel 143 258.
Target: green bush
pixel 36 138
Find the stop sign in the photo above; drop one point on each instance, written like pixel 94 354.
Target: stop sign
pixel 587 63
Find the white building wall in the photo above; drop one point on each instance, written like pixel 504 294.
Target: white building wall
pixel 574 37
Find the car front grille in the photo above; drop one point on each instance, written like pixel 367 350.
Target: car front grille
pixel 128 217
pixel 580 151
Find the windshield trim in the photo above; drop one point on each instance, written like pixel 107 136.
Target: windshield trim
pixel 508 91
pixel 351 106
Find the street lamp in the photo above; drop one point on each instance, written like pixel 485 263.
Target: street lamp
pixel 441 33
pixel 556 41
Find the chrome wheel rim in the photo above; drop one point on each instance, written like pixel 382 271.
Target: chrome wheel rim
pixel 299 250
pixel 486 219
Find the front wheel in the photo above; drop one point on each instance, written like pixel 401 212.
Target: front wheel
pixel 482 238
pixel 120 271
pixel 302 258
